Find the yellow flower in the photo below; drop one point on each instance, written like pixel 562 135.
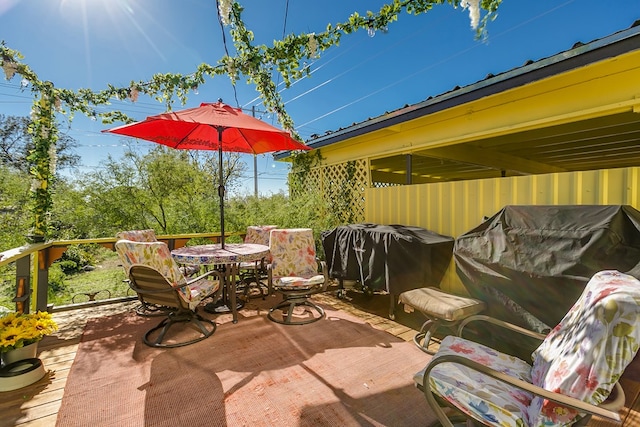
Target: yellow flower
pixel 18 330
pixel 10 336
pixel 7 320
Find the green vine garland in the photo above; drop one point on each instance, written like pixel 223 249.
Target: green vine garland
pixel 257 63
pixel 44 134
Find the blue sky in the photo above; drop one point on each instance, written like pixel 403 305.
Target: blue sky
pixel 92 43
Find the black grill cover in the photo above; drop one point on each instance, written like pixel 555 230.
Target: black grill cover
pixel 530 263
pixel 392 258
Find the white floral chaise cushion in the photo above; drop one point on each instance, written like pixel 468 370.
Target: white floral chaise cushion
pixel 585 355
pixel 477 395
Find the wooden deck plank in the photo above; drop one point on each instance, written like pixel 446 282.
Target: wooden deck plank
pixel 38 397
pixel 46 421
pixel 18 416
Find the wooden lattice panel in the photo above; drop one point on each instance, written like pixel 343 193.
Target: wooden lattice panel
pixel 300 184
pixel 342 186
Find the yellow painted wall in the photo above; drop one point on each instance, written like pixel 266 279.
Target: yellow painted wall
pixel 453 208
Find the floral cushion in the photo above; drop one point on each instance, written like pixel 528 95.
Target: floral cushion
pixel 293 283
pixel 138 235
pixel 157 255
pixel 584 359
pixel 478 395
pixel 294 263
pixel 201 289
pixel 150 236
pixel 258 234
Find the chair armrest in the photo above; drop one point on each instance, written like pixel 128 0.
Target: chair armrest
pixel 170 288
pixel 571 402
pixel 502 323
pixel 322 266
pixel 202 276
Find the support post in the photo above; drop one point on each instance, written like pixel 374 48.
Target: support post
pixel 23 284
pixel 42 280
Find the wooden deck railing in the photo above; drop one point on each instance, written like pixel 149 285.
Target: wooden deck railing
pixel 32 264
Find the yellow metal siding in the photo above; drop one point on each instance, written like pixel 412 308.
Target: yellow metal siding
pixel 453 208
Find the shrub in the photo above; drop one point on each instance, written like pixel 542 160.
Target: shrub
pixel 56 279
pixel 68 266
pixel 76 258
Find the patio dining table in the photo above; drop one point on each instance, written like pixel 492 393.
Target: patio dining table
pixel 226 260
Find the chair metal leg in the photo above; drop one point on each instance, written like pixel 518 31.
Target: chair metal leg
pixel 152 310
pixel 288 305
pixel 248 282
pixel 182 316
pixel 423 338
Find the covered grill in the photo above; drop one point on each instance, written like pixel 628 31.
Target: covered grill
pixel 530 263
pixel 390 258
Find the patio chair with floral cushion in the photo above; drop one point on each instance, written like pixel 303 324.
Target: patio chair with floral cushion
pixel 296 273
pixel 574 372
pixel 156 278
pixel 253 275
pixel 148 235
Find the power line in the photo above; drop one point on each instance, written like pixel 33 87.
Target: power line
pixel 396 82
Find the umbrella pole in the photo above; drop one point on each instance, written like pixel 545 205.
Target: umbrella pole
pixel 221 186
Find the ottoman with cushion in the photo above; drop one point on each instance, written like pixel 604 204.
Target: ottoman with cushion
pixel 440 308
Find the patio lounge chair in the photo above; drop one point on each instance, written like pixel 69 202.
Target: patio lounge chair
pixel 144 309
pixel 297 274
pixel 574 370
pixel 156 278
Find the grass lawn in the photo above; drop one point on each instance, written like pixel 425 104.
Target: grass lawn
pixel 106 280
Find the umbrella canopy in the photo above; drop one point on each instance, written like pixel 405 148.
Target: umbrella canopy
pixel 212 126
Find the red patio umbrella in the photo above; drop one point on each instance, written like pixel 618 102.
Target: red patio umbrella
pixel 212 126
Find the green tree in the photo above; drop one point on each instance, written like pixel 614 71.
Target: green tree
pixel 14 213
pixel 71 216
pixel 171 191
pixel 15 182
pixel 16 144
pixel 303 211
pixel 259 64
